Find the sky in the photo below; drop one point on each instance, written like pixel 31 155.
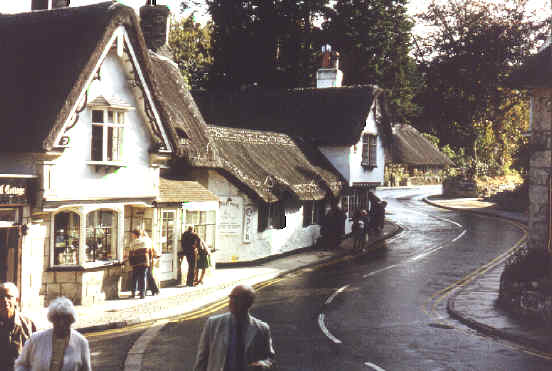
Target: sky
pixel 415 6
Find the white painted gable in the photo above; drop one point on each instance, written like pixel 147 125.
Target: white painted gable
pixel 347 159
pixel 73 175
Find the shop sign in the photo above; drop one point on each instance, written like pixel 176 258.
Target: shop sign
pixel 13 191
pixel 230 215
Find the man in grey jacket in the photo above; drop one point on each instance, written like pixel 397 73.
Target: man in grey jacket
pixel 235 341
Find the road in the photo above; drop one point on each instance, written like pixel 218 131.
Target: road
pixel 378 312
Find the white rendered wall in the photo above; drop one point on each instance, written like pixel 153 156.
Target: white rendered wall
pixel 232 248
pixel 360 173
pixel 74 179
pixel 347 160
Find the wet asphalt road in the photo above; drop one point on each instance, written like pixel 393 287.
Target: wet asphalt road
pixel 382 312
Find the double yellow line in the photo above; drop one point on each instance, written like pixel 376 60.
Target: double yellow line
pixel 430 305
pixel 216 306
pixel 211 308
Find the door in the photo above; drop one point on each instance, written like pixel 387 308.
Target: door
pixel 9 255
pixel 167 241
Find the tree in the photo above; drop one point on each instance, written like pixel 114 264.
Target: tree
pixel 190 44
pixel 373 37
pixel 466 62
pixel 270 43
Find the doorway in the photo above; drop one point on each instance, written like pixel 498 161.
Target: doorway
pixel 10 255
pixel 168 239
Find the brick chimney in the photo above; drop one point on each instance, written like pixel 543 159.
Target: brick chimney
pixel 60 3
pixel 154 20
pixel 329 75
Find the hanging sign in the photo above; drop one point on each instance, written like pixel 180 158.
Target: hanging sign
pixel 248 224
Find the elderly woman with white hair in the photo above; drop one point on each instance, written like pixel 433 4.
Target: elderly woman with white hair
pixel 58 349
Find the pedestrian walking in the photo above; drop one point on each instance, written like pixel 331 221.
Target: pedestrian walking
pixel 152 282
pixel 57 349
pixel 235 340
pixel 203 261
pixel 189 249
pixel 380 216
pixel 358 231
pixel 15 328
pixel 140 260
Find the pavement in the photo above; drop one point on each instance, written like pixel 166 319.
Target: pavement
pixel 217 284
pixel 474 304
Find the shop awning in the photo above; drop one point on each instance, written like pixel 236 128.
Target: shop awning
pixel 181 191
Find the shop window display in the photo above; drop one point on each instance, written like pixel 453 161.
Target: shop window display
pixel 66 238
pixel 101 235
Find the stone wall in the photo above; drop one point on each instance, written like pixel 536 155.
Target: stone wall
pixel 84 287
pixel 533 298
pixel 540 166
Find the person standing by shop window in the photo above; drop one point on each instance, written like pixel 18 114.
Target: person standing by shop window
pixel 189 242
pixel 203 260
pixel 140 260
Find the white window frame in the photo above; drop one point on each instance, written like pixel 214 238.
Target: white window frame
pixel 105 125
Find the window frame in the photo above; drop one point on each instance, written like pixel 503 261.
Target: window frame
pixel 117 125
pixel 54 241
pixel 272 216
pixel 114 235
pixel 369 150
pixel 206 230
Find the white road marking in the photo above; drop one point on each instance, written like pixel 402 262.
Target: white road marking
pixel 321 318
pixel 332 296
pixel 375 367
pixel 459 236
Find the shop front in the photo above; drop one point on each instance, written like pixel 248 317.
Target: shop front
pixel 182 204
pixel 87 248
pixel 14 212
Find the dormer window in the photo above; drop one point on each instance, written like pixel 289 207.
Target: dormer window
pixel 107 135
pixel 108 124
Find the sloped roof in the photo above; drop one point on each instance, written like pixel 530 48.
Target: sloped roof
pixel 331 116
pixel 536 72
pixel 180 108
pixel 48 55
pixel 409 147
pixel 259 159
pixel 172 190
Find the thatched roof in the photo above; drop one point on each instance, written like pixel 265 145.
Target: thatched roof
pixel 272 164
pixel 409 147
pixel 331 116
pixel 179 108
pixel 47 57
pixel 178 191
pixel 536 72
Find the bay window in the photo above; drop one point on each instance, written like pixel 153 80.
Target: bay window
pixel 101 235
pixel 66 238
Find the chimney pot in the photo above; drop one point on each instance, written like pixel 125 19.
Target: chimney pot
pixel 60 3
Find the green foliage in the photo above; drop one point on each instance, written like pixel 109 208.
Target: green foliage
pixel 267 43
pixel 466 62
pixel 190 44
pixel 373 37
